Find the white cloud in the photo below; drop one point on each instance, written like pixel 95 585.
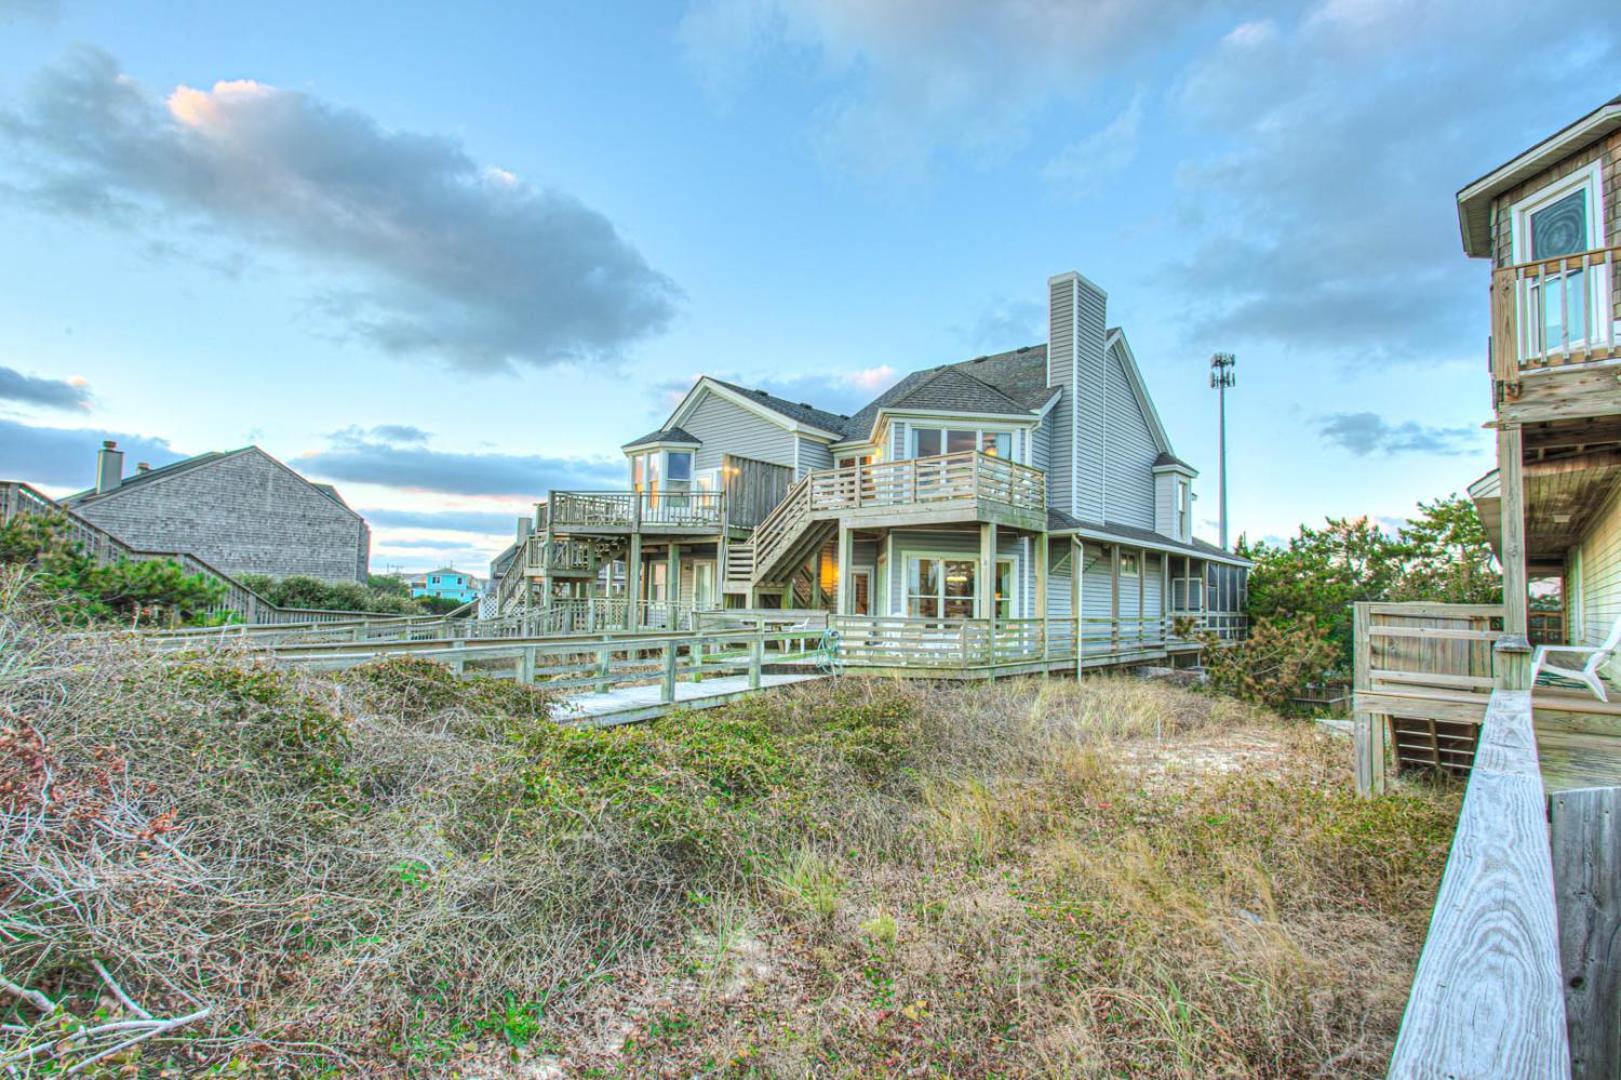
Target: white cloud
pixel 428 254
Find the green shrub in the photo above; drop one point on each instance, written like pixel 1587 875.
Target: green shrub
pixel 80 591
pixel 1277 662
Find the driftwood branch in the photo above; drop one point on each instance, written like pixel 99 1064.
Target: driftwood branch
pixel 38 1000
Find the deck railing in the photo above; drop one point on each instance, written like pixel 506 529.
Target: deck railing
pixel 969 474
pixel 896 641
pixel 632 510
pixel 1554 311
pixel 1426 650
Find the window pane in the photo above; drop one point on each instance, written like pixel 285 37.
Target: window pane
pixel 924 607
pixel 997 443
pixel 653 469
pixel 959 579
pixel 958 441
pixel 636 475
pixel 680 465
pixel 958 607
pixel 928 442
pixel 1560 229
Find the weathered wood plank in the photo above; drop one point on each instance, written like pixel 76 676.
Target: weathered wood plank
pixel 1488 997
pixel 1587 882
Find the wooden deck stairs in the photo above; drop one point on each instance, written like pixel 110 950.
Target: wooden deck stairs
pixel 786 538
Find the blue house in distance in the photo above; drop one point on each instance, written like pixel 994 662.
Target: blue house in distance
pixel 446 583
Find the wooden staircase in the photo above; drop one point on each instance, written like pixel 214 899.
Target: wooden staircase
pixel 786 538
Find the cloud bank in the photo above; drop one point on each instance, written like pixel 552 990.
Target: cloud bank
pixel 49 393
pixel 370 457
pixel 66 457
pixel 432 255
pixel 1366 433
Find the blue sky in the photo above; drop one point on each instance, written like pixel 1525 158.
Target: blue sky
pixel 449 257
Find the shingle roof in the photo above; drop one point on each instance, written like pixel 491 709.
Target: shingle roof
pixel 1058 521
pixel 1012 383
pixel 1165 459
pixel 800 411
pixel 174 468
pixel 1021 374
pixel 669 435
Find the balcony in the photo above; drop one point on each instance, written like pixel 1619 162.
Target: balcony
pixel 610 512
pixel 1554 337
pixel 985 487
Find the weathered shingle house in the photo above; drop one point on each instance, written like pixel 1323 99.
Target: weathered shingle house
pixel 241 511
pixel 1035 488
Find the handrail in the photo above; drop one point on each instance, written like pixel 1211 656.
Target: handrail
pixel 1488 998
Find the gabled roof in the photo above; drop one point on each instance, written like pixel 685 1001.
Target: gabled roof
pixel 1012 383
pixel 1475 199
pixel 1115 338
pixel 136 480
pixel 801 412
pixel 664 435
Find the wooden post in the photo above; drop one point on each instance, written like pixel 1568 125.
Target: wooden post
pixel 604 668
pixel 986 592
pixel 672 587
pixel 1041 600
pixel 1165 596
pixel 1114 600
pixel 696 651
pixel 1077 570
pixel 756 658
pixel 1586 838
pixel 843 597
pixel 526 669
pixel 1513 649
pixel 633 575
pixel 667 686
pixel 1142 596
pixel 1369 731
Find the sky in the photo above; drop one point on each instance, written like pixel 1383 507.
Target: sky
pixel 450 257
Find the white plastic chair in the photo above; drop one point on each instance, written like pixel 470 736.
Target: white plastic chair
pixel 1587 674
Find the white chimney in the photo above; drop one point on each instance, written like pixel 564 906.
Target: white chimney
pixel 109 467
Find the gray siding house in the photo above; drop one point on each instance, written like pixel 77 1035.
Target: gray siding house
pixel 1035 486
pixel 241 511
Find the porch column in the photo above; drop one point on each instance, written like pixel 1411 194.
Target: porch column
pixel 547 540
pixel 672 585
pixel 1114 599
pixel 985 592
pixel 1041 597
pixel 633 579
pixel 1077 571
pixel 1513 649
pixel 844 590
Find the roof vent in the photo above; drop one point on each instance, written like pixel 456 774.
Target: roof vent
pixel 143 466
pixel 761 393
pixel 806 405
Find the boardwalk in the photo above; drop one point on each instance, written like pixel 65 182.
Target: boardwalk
pixel 630 704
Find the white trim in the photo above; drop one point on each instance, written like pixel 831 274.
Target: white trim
pixel 972 559
pixel 1134 378
pixel 1535 160
pixel 1589 178
pixel 979 430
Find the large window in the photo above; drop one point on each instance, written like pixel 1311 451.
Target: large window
pixel 942 588
pixel 928 441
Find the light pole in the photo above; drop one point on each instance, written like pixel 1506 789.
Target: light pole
pixel 1221 377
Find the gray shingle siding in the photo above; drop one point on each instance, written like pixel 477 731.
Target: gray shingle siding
pixel 243 513
pixel 725 428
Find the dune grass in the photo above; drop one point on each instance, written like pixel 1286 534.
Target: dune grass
pixel 390 871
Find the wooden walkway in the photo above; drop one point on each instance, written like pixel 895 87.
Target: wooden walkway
pixel 631 704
